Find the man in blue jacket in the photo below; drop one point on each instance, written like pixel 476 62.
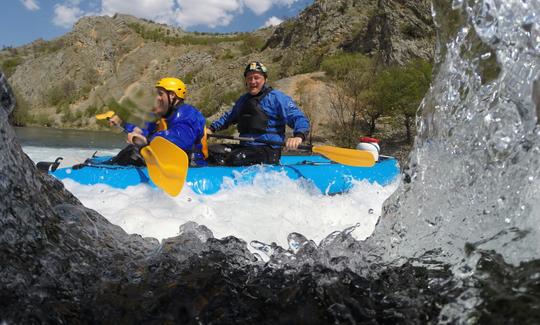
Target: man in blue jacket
pixel 261 113
pixel 178 122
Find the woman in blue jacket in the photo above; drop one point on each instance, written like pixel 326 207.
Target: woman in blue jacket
pixel 261 113
pixel 178 122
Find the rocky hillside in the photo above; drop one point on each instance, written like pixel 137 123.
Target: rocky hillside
pixel 394 30
pixel 113 62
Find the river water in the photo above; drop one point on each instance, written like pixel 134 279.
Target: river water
pixel 267 211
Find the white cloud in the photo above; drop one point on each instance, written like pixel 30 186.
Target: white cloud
pixel 66 15
pixel 158 10
pixel 211 13
pixel 184 13
pixel 259 7
pixel 30 4
pixel 273 21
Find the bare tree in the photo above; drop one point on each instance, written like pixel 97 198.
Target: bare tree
pixel 306 99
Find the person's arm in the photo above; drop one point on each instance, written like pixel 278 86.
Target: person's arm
pixel 135 135
pixel 295 119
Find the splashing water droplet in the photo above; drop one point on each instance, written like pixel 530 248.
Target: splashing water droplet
pixel 456 4
pixel 485 56
pixel 296 241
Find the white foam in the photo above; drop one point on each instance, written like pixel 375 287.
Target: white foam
pixel 71 156
pixel 267 211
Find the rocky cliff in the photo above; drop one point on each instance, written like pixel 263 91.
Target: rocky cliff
pixel 113 62
pixel 395 30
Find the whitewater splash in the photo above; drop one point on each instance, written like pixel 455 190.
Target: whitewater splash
pixel 475 169
pixel 267 211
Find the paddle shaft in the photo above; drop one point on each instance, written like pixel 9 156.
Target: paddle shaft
pixel 275 143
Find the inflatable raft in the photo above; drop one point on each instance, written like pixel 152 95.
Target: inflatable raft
pixel 327 176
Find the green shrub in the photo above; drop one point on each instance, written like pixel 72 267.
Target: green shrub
pixel 339 65
pixel 20 115
pixel 64 93
pixel 42 119
pixel 46 47
pixel 10 65
pixel 251 43
pixel 188 77
pixel 211 100
pixel 227 55
pixel 91 111
pixel 157 35
pixel 310 61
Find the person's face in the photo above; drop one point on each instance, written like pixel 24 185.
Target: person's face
pixel 161 104
pixel 255 82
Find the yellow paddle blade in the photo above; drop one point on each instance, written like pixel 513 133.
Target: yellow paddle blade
pixel 106 115
pixel 350 157
pixel 167 165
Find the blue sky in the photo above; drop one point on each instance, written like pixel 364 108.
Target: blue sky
pixel 23 21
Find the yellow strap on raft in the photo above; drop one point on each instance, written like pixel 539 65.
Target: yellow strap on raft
pixel 204 144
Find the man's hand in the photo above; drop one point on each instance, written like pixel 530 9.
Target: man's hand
pixel 137 139
pixel 293 143
pixel 115 120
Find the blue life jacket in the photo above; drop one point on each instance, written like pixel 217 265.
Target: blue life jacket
pixel 264 116
pixel 184 126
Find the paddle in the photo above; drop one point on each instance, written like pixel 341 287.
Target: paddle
pixel 349 157
pixel 167 164
pixel 107 116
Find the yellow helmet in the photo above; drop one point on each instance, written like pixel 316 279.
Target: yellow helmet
pixel 173 84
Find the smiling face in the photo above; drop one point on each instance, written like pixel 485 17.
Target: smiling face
pixel 161 103
pixel 254 82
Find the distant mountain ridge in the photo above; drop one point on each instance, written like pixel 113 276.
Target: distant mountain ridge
pixel 113 62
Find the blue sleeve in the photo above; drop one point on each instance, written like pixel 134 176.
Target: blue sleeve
pixel 229 117
pixel 149 127
pixel 128 127
pixel 294 117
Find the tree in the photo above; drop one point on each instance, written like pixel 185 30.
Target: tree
pixel 400 90
pixel 305 92
pixel 352 75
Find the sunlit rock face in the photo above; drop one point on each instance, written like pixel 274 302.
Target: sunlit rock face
pixel 473 177
pixel 53 251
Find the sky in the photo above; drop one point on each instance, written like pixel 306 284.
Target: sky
pixel 23 21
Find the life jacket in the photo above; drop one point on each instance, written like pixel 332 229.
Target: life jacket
pixel 252 119
pixel 161 124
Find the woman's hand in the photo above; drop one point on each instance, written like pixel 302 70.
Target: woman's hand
pixel 293 143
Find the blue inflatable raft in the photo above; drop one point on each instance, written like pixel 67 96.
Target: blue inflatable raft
pixel 327 176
